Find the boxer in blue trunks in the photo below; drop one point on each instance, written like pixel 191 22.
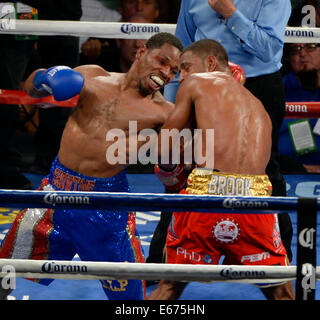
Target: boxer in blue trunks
pixel 107 101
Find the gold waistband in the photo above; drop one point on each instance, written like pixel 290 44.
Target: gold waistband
pixel 207 181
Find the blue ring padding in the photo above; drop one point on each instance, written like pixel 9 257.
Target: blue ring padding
pixel 146 202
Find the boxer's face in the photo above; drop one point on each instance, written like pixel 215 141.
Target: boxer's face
pixel 157 67
pixel 190 63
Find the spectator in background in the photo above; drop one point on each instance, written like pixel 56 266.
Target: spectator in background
pixel 253 37
pixel 147 8
pixel 302 84
pixel 99 51
pixel 169 11
pixel 95 10
pixel 111 4
pixel 15 54
pixel 53 50
pixel 127 49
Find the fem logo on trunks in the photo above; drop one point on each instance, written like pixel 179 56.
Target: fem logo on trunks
pixel 226 231
pixel 54 198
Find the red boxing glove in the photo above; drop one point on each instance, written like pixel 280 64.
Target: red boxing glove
pixel 173 180
pixel 237 72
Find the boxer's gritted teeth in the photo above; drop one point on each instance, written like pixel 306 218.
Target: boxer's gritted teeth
pixel 157 80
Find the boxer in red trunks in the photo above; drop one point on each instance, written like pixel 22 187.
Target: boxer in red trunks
pixel 242 145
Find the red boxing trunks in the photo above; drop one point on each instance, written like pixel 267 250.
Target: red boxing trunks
pixel 244 239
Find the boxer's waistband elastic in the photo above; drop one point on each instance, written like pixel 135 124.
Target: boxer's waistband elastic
pixel 207 181
pixel 62 178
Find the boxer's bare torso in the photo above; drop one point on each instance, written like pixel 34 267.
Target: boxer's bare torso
pixel 242 128
pixel 106 105
pixel 108 101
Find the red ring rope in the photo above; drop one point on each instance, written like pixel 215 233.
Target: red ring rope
pixel 302 109
pixel 293 109
pixel 22 97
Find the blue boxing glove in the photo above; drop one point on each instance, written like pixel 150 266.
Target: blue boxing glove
pixel 61 81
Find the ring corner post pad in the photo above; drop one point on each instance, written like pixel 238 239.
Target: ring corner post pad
pixel 306 248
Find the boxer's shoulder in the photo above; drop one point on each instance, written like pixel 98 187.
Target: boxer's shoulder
pixel 196 83
pixel 91 71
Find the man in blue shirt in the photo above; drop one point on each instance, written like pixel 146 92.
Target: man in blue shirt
pixel 301 84
pixel 252 32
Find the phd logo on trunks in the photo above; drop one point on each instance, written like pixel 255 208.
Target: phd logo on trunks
pixel 54 198
pixel 207 259
pixel 226 231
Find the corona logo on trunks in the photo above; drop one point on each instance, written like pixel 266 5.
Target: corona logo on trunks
pixel 233 203
pixel 53 267
pixel 129 28
pixel 230 273
pixel 54 198
pixel 226 231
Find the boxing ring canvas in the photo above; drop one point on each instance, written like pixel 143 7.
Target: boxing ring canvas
pixel 297 185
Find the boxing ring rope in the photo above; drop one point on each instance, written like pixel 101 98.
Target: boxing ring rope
pixel 302 109
pixel 88 270
pixel 298 109
pixel 129 31
pixel 121 30
pixel 145 201
pixel 150 202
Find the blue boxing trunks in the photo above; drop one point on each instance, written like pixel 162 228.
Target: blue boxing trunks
pixel 60 234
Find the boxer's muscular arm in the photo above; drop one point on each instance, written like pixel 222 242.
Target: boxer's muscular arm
pixel 180 118
pixel 174 176
pixel 61 82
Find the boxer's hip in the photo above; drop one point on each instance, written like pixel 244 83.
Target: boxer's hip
pixel 63 178
pixel 210 182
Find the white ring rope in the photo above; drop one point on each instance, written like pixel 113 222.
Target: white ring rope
pixel 89 270
pixel 121 30
pixel 112 30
